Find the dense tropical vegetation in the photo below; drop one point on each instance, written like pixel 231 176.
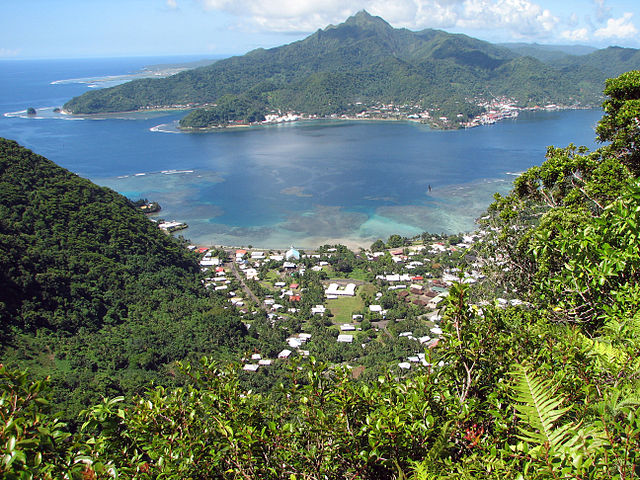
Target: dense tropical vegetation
pixel 92 293
pixel 366 62
pixel 546 389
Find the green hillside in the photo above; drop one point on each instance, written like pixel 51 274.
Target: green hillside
pixel 547 53
pixel 364 61
pixel 91 291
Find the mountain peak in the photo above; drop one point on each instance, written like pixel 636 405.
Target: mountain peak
pixel 365 19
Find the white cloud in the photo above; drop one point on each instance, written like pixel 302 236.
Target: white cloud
pixel 521 18
pixel 9 52
pixel 621 27
pixel 288 15
pixel 515 18
pixel 577 35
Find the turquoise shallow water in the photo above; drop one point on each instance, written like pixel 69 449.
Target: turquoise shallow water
pixel 305 183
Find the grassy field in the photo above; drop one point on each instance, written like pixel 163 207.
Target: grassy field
pixel 271 278
pixel 343 307
pixel 357 274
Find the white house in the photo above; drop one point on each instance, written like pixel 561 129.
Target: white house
pixel 209 262
pixel 345 338
pixel 318 309
pixel 335 289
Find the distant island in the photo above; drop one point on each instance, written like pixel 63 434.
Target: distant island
pixel 364 68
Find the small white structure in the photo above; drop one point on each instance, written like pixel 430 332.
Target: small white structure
pixel 292 254
pixel 251 273
pixel 433 303
pixel 284 353
pixel 209 262
pixel 318 310
pixel 345 338
pixel 171 226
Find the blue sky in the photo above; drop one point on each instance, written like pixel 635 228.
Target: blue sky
pixel 99 28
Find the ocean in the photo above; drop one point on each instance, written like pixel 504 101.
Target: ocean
pixel 305 184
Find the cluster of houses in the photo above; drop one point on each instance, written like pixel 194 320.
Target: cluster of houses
pixel 218 280
pixel 419 289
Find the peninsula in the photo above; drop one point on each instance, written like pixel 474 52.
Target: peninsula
pixel 359 67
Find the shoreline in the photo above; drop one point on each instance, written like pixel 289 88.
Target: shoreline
pixel 427 122
pixel 354 247
pixel 124 112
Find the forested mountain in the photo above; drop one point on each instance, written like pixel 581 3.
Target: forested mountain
pixel 91 291
pixel 364 61
pixel 548 387
pixel 547 53
pixel 611 61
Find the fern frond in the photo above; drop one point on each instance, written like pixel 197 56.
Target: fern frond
pixel 618 401
pixel 604 351
pixel 442 441
pixel 421 470
pixel 607 355
pixel 541 411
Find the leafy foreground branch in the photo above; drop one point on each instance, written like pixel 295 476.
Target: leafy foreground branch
pixel 509 424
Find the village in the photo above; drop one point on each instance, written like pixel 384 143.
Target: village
pixel 494 110
pixel 342 306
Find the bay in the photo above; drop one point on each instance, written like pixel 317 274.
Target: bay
pixel 305 183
